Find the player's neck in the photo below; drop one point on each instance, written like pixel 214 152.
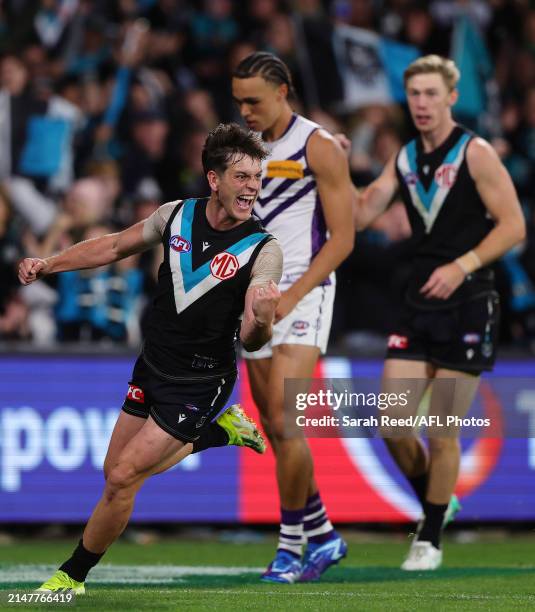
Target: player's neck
pixel 217 216
pixel 433 139
pixel 280 126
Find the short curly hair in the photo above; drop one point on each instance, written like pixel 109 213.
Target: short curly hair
pixel 228 140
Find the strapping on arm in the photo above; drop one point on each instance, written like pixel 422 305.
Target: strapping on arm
pixel 268 265
pixel 154 225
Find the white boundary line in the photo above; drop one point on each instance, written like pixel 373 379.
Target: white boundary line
pixel 125 574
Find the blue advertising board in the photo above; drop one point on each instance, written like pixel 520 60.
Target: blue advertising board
pixel 56 418
pixel 57 413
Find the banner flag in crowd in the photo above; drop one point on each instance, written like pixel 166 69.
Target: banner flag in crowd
pixel 370 66
pixel 469 52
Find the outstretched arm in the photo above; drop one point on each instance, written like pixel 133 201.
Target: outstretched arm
pixel 99 251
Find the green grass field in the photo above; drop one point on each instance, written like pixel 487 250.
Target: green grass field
pixel 185 574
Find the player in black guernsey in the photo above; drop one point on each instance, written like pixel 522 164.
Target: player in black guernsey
pixel 218 263
pixel 464 214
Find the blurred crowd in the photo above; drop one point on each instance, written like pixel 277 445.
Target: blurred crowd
pixel 105 105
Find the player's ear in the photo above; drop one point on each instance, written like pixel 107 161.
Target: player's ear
pixel 282 90
pixel 213 180
pixel 454 96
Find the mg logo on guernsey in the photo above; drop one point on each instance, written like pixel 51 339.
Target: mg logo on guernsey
pixel 445 175
pixel 179 244
pixel 224 265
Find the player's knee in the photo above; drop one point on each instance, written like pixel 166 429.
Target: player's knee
pixel 122 476
pixel 266 426
pixel 276 430
pixel 107 468
pixel 440 446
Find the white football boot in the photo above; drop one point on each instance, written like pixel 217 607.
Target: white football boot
pixel 423 556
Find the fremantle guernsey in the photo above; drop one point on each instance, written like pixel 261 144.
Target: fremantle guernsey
pixel 289 205
pixel 446 213
pixel 194 320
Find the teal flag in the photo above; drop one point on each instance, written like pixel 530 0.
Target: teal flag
pixel 46 138
pixel 470 53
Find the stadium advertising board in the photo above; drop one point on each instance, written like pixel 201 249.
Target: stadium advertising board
pixel 56 418
pixel 57 414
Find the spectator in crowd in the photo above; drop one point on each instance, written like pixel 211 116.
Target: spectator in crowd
pixel 18 105
pixel 146 159
pixel 101 304
pixel 13 311
pixel 191 175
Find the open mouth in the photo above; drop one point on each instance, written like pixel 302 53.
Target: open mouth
pixel 423 118
pixel 245 202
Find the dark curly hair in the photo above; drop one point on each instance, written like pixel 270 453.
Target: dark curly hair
pixel 228 140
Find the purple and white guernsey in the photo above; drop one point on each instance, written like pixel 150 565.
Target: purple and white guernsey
pixel 289 205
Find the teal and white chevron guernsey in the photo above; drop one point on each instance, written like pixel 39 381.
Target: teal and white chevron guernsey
pixel 195 317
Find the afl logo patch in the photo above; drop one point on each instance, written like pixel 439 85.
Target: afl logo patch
pixel 224 265
pixel 445 175
pixel 411 178
pixel 179 244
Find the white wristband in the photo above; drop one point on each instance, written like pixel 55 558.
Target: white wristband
pixel 469 262
pixel 459 262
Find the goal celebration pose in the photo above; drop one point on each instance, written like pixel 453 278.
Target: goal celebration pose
pixel 219 262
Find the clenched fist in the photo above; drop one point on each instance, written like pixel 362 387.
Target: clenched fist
pixel 265 300
pixel 30 269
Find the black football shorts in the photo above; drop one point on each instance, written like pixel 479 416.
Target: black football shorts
pixel 182 408
pixel 461 337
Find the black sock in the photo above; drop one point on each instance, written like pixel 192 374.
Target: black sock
pixel 78 566
pixel 419 485
pixel 432 527
pixel 213 435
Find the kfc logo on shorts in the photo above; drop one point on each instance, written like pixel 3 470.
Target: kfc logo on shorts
pixel 224 265
pixel 397 342
pixel 135 394
pixel 445 175
pixel 179 244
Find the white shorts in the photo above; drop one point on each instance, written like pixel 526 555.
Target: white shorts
pixel 309 324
